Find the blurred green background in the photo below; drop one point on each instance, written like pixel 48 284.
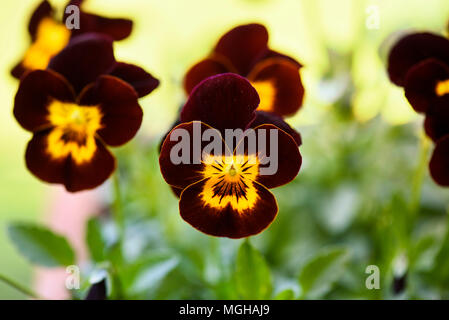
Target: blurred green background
pixel 364 157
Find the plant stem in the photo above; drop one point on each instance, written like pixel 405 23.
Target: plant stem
pixel 118 206
pixel 19 287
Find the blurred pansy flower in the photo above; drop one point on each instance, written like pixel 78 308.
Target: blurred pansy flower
pixel 49 35
pixel 224 193
pixel 244 50
pixel 419 62
pixel 75 109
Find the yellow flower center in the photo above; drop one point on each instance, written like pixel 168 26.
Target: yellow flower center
pixel 442 88
pixel 51 38
pixel 230 181
pixel 267 92
pixel 74 131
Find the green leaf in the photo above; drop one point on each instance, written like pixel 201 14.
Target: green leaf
pixel 41 246
pixel 94 240
pixel 287 294
pixel 319 274
pixel 252 275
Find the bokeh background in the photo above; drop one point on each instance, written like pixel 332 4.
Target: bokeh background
pixel 364 186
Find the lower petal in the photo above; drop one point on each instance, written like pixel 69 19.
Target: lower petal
pixel 228 220
pixel 439 169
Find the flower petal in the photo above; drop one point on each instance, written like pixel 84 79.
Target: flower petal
pixel 85 59
pixel 74 176
pixel 18 70
pixel 42 11
pixel 225 101
pixel 279 85
pixel 436 123
pixel 143 82
pixel 232 218
pixel 413 49
pixel 278 154
pixel 263 117
pixel 274 54
pixel 202 70
pixel 439 169
pixel 122 114
pixel 35 92
pixel 421 83
pixel 242 45
pixel 181 154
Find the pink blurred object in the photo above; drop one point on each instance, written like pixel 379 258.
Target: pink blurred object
pixel 67 214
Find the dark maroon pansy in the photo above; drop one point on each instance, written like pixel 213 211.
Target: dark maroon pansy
pixel 71 131
pixel 223 192
pixel 438 165
pixel 90 55
pixel 50 35
pixel 244 50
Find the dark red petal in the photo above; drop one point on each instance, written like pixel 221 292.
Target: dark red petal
pixel 439 168
pixel 421 81
pixel 263 117
pixel 35 92
pixel 274 54
pixel 175 124
pixel 242 45
pixel 122 114
pixel 281 79
pixel 84 59
pixel 116 28
pixel 284 159
pixel 42 11
pixel 202 70
pixel 18 70
pixel 176 191
pixel 65 171
pixel 227 222
pixel 143 82
pixel 225 101
pixel 180 175
pixel 436 123
pixel 413 49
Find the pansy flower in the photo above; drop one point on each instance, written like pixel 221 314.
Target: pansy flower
pixel 244 50
pixel 49 35
pixel 224 192
pixel 75 109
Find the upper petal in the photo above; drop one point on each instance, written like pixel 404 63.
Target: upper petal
pixel 36 90
pixel 143 82
pixel 242 45
pixel 202 70
pixel 439 169
pixel 421 83
pixel 413 49
pixel 121 112
pixel 278 82
pixel 228 216
pixel 42 11
pixel 85 59
pixel 225 101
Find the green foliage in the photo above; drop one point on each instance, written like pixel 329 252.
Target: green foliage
pixel 319 274
pixel 41 246
pixel 252 274
pixel 94 240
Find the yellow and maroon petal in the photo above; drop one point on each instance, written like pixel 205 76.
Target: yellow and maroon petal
pixel 436 123
pixel 180 172
pixel 36 90
pixel 278 155
pixel 274 54
pixel 225 214
pixel 279 86
pixel 121 112
pixel 413 49
pixel 202 70
pixel 43 10
pixel 85 58
pixel 425 83
pixel 64 170
pixel 143 82
pixel 263 117
pixel 225 101
pixel 243 45
pixel 439 169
